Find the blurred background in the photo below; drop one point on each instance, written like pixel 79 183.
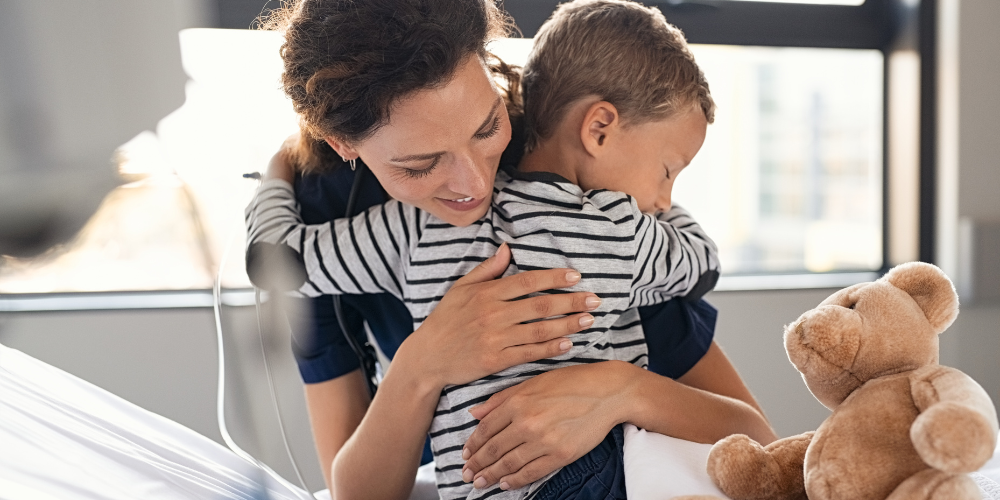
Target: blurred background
pixel 849 137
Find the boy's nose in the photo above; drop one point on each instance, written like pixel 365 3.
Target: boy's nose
pixel 663 201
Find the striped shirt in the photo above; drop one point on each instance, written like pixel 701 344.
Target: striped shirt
pixel 629 259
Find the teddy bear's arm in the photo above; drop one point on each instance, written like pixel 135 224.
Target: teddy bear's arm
pixel 745 470
pixel 957 427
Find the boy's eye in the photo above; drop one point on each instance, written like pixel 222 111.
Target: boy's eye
pixel 494 128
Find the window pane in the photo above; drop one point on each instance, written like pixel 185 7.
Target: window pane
pixel 171 227
pixel 790 176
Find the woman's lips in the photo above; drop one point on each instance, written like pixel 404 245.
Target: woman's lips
pixel 462 204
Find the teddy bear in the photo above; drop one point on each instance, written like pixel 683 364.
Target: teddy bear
pixel 902 426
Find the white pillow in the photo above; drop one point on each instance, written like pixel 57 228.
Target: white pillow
pixel 662 467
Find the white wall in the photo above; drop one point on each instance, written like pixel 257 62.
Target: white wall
pixel 165 361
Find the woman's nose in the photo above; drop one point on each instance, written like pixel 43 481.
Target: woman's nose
pixel 471 178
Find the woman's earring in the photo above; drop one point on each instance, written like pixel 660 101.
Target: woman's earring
pixel 351 161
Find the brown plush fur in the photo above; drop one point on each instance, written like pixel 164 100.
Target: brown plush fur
pixel 902 425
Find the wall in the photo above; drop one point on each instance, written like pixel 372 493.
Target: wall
pixel 969 174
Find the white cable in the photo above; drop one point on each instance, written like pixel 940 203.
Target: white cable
pixel 274 394
pixel 220 408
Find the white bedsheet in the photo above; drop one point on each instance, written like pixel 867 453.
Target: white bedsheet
pixel 661 467
pixel 63 438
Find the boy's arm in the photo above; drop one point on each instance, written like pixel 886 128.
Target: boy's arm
pixel 674 257
pixel 357 255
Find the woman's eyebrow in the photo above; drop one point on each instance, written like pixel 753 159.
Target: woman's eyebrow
pixel 489 118
pixel 424 156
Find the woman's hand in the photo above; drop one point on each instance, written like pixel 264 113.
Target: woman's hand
pixel 544 423
pixel 477 328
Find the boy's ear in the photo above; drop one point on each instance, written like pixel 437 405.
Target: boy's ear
pixel 345 150
pixel 600 122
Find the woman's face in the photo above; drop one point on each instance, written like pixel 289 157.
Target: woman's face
pixel 441 147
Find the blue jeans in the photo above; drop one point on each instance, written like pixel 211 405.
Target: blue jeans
pixel 598 475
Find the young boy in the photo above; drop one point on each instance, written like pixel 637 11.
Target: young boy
pixel 615 108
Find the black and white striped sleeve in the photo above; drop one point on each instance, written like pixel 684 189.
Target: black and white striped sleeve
pixel 363 254
pixel 672 254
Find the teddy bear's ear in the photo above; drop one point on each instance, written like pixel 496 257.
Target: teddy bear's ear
pixel 930 288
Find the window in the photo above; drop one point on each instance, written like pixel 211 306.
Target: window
pixel 791 178
pixel 179 216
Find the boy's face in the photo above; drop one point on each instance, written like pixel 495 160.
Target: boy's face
pixel 647 157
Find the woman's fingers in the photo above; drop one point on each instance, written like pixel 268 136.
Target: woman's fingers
pixel 479 412
pixel 490 426
pixel 530 472
pixel 520 354
pixel 507 465
pixel 489 268
pixel 522 336
pixel 545 306
pixel 501 448
pixel 522 284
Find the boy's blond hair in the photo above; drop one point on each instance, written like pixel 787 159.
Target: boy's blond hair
pixel 617 50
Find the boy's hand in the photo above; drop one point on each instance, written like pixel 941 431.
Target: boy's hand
pixel 280 167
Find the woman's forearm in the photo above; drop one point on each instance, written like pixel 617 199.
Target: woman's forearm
pixel 669 407
pixel 381 459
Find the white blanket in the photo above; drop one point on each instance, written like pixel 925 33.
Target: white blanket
pixel 661 467
pixel 63 438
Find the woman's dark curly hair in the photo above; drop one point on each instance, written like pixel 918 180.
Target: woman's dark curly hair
pixel 348 61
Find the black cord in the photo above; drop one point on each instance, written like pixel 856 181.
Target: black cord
pixel 358 340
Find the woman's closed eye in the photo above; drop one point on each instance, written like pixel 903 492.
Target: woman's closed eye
pixel 416 173
pixel 494 128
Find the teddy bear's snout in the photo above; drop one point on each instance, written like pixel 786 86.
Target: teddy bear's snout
pixel 823 342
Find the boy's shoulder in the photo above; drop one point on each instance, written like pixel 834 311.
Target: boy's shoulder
pixel 545 190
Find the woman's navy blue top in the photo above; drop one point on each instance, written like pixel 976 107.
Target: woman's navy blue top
pixel 678 332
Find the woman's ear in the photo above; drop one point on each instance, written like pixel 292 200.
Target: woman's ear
pixel 600 124
pixel 345 150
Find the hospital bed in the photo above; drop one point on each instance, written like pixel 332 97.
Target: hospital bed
pixel 64 438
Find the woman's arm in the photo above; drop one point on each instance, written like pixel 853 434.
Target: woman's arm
pixel 336 407
pixel 476 330
pixel 714 373
pixel 718 404
pixel 551 420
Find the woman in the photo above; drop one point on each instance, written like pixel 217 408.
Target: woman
pixel 377 81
